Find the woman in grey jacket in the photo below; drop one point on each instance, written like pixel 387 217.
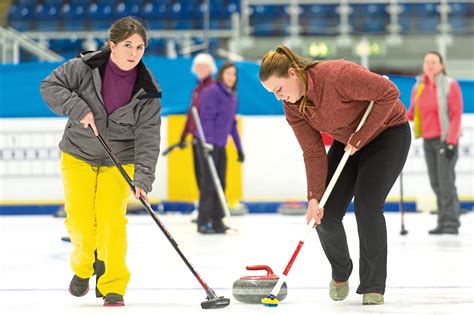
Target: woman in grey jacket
pixel 113 93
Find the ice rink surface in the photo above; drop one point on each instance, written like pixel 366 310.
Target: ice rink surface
pixel 426 274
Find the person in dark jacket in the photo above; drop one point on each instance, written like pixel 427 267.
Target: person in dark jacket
pixel 332 96
pixel 218 116
pixel 203 67
pixel 112 92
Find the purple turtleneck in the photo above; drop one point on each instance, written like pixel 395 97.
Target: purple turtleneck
pixel 117 86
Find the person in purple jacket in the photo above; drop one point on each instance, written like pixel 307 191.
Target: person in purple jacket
pixel 218 107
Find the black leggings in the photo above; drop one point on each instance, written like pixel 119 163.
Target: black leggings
pixel 210 208
pixel 367 176
pixel 197 163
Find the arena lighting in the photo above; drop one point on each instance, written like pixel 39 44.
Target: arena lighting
pixel 320 49
pixel 370 48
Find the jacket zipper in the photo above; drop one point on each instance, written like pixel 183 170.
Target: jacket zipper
pixel 105 136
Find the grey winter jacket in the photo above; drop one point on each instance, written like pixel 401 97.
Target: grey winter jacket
pixel 132 131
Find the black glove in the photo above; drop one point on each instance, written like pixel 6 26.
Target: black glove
pixel 208 148
pixel 182 144
pixel 447 150
pixel 241 156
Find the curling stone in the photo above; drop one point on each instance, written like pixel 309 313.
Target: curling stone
pixel 238 208
pixel 252 289
pixel 292 208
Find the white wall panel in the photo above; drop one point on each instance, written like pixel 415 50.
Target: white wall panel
pixel 273 169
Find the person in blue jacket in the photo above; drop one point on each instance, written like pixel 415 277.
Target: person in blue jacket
pixel 218 108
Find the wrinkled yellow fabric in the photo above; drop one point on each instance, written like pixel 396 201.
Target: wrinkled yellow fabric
pixel 417 115
pixel 95 203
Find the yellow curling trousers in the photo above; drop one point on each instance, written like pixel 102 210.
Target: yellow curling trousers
pixel 96 203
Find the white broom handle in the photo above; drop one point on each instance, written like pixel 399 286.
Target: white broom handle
pixel 327 192
pixel 338 171
pixel 211 164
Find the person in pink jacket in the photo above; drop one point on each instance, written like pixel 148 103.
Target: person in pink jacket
pixel 436 109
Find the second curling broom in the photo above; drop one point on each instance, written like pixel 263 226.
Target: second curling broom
pixel 271 300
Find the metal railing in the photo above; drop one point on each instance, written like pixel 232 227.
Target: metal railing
pixel 11 41
pixel 344 10
pixel 37 42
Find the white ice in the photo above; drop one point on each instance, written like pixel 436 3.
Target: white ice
pixel 426 274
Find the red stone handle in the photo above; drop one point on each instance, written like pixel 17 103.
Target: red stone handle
pixel 261 267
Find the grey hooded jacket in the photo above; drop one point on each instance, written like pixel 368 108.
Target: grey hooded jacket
pixel 132 131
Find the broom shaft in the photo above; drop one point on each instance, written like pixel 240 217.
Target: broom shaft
pixel 149 209
pixel 327 192
pixel 276 289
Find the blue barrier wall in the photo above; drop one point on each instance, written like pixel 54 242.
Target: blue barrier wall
pixel 19 88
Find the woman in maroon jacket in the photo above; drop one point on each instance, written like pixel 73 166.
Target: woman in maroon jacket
pixel 331 97
pixel 203 67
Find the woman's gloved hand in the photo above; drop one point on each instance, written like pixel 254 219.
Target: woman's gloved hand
pixel 240 156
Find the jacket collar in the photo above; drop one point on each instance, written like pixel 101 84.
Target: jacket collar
pixel 224 88
pixel 310 74
pixel 206 81
pixel 98 59
pixel 424 78
pixel 312 88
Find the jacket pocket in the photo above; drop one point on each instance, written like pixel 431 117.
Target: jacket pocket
pixel 124 116
pixel 120 131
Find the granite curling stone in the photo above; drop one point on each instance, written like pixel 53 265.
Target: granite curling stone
pixel 252 289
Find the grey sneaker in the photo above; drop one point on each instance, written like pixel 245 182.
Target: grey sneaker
pixel 338 291
pixel 113 299
pixel 372 299
pixel 78 286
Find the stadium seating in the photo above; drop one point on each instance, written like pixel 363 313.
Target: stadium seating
pixel 265 20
